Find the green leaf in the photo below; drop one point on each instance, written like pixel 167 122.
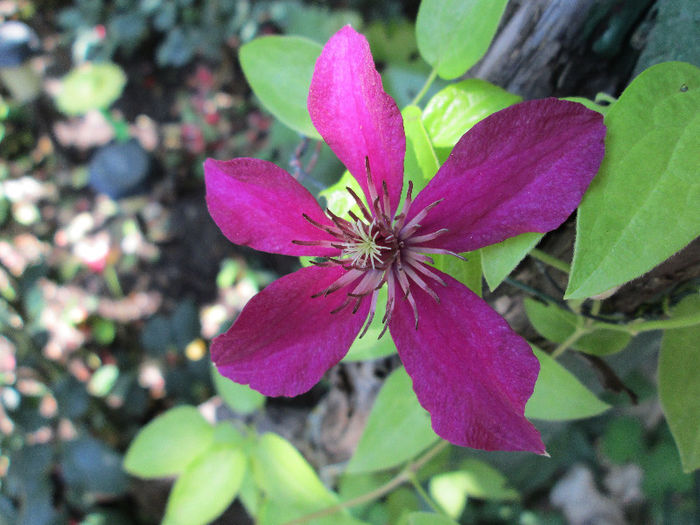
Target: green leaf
pixel 168 444
pixel 453 35
pixel 590 104
pixel 467 272
pixel 679 388
pixel 91 86
pixel 279 70
pixel 393 41
pixel 338 200
pixel 207 487
pixel 427 518
pixel 290 484
pixel 455 109
pixel 241 398
pixel 558 395
pixel 350 486
pixel 104 331
pixel 420 164
pixel 642 207
pixel 369 346
pixel 623 441
pixel 226 433
pixel 499 260
pixel 398 428
pixel 103 380
pixel 662 473
pixel 285 476
pixel 474 479
pixel 558 325
pixel 319 22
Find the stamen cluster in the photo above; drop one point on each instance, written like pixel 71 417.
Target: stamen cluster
pixel 378 249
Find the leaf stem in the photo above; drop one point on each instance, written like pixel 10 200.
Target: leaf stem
pixel 637 327
pixel 428 82
pixel 401 478
pixel 633 328
pixel 423 494
pixel 551 261
pixel 578 333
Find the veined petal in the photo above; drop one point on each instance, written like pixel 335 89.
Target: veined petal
pixel 258 204
pixel 353 114
pixel 469 369
pixel 523 169
pixel 284 341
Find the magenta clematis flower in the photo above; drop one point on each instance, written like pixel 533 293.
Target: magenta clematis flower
pixel 523 169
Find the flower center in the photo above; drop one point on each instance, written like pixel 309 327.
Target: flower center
pixel 364 249
pixel 379 250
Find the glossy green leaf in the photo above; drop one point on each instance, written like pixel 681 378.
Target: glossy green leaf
pixel 420 164
pixel 499 260
pixel 558 325
pixel 679 387
pixel 168 444
pixel 290 484
pixel 207 487
pixel 558 395
pixel 452 111
pixel 427 518
pixel 279 70
pixel 91 86
pixel 453 35
pixel 398 428
pixel 474 479
pixel 241 398
pixel 643 206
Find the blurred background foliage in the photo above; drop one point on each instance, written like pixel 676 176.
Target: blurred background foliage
pixel 110 288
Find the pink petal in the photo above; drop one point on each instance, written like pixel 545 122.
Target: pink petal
pixel 523 169
pixel 469 369
pixel 354 115
pixel 284 341
pixel 257 204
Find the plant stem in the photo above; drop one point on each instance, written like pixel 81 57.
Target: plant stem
pixel 632 328
pixel 429 82
pixel 401 478
pixel 578 333
pixel 536 293
pixel 637 327
pixel 551 261
pixel 423 494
